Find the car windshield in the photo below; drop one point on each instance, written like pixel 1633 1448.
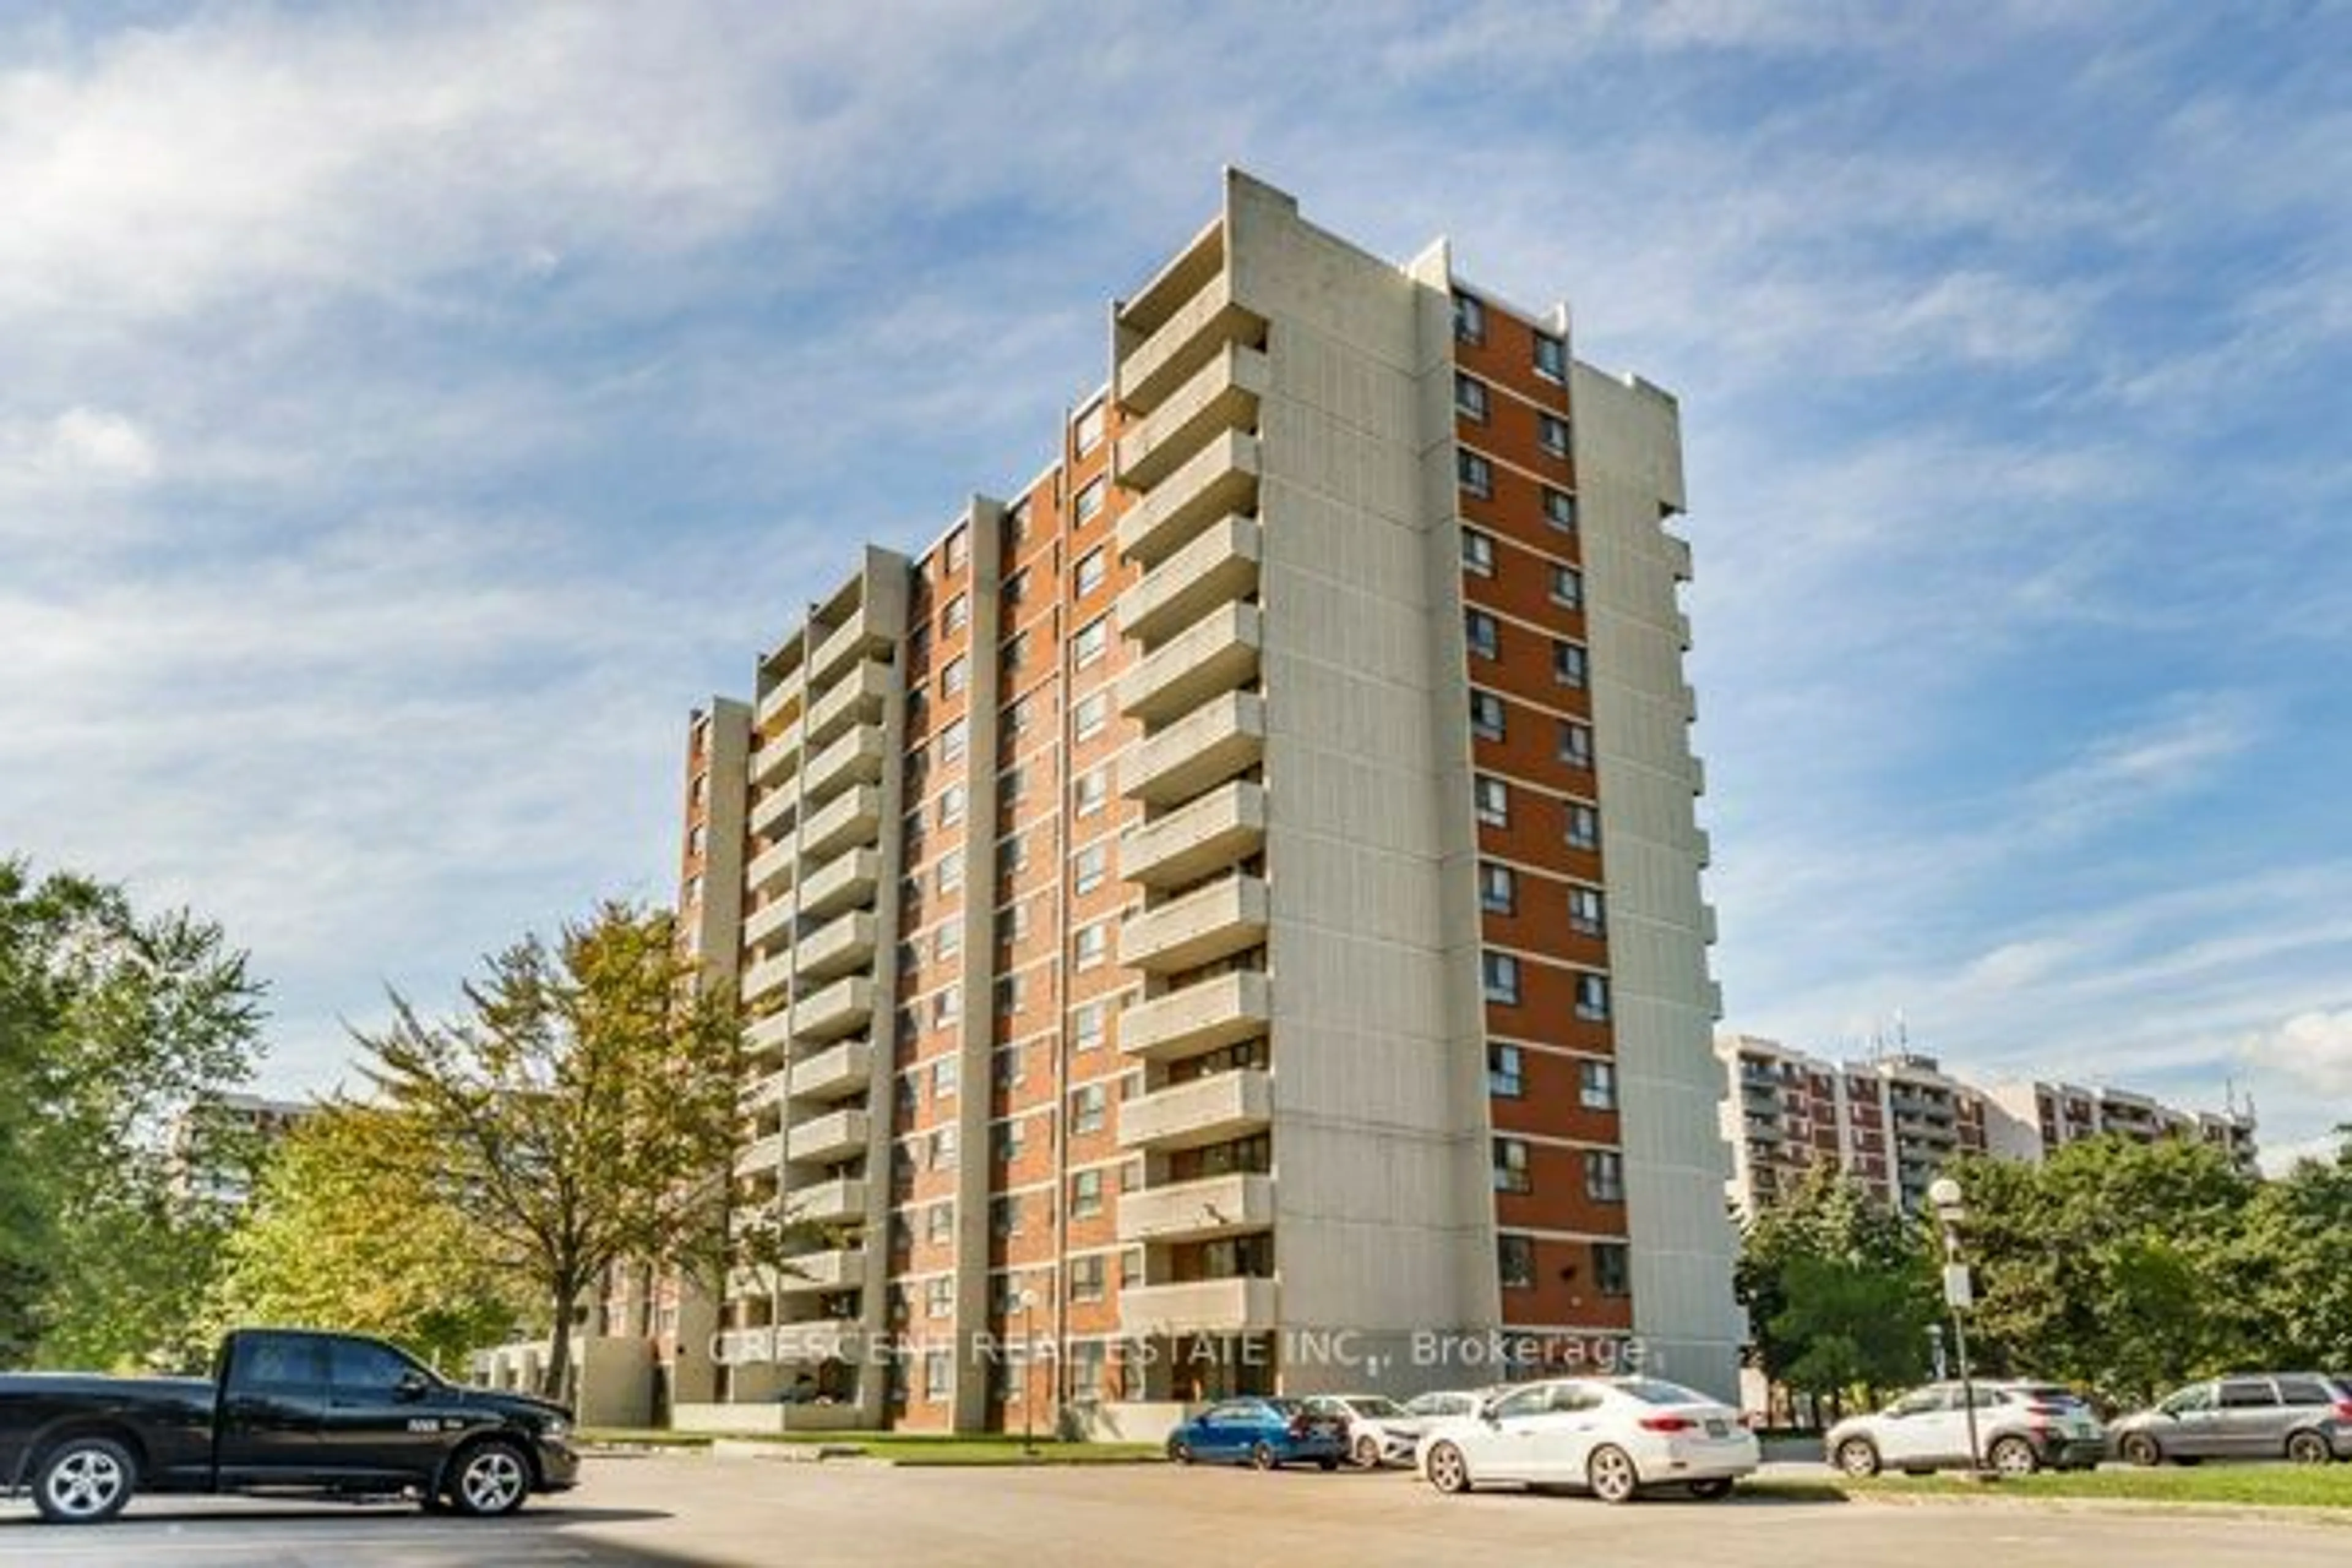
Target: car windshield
pixel 1375 1406
pixel 1283 1407
pixel 1655 1390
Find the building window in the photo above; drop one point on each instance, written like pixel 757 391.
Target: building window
pixel 1576 744
pixel 955 677
pixel 1090 573
pixel 1091 643
pixel 954 614
pixel 1559 509
pixel 1086 1279
pixel 941 1152
pixel 1515 1260
pixel 1604 1175
pixel 1486 715
pixel 1089 1105
pixel 1478 552
pixel 948 940
pixel 1584 911
pixel 1567 587
pixel 1088 433
pixel 1011 1138
pixel 1476 474
pixel 1016 651
pixel 1469 319
pixel 1569 665
pixel 1086 1026
pixel 1092 789
pixel 1498 889
pixel 1008 995
pixel 1470 397
pixel 1505 1072
pixel 1088 869
pixel 1502 977
pixel 946 1074
pixel 1492 797
pixel 1085 1193
pixel 1583 826
pixel 1592 998
pixel 1551 357
pixel 952 805
pixel 939 1224
pixel 1090 946
pixel 1011 855
pixel 1485 632
pixel 1512 1173
pixel 1090 502
pixel 1599 1090
pixel 1009 785
pixel 953 740
pixel 698 839
pixel 1612 1268
pixel 1004 1215
pixel 1090 714
pixel 1552 431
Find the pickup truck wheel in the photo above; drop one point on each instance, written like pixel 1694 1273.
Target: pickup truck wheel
pixel 491 1478
pixel 83 1480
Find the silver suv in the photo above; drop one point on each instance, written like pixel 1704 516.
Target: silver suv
pixel 2020 1427
pixel 2301 1415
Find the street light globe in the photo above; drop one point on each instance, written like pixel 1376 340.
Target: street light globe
pixel 1944 1195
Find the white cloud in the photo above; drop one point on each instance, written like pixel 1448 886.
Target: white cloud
pixel 80 446
pixel 2312 1048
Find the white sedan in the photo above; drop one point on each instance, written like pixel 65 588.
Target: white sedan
pixel 1615 1436
pixel 1379 1430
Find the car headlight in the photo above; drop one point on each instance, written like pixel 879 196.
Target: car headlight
pixel 556 1429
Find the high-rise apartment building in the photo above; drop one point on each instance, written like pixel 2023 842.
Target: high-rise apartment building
pixel 1892 1122
pixel 1227 914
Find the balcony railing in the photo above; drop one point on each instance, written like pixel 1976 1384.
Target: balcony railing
pixel 1206 747
pixel 1224 918
pixel 1202 1016
pixel 1221 477
pixel 1214 655
pixel 1222 394
pixel 1212 1110
pixel 1220 567
pixel 1194 1210
pixel 838 1072
pixel 834 1136
pixel 1187 844
pixel 1199 1306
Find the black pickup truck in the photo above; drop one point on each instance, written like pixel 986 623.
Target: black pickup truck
pixel 286 1411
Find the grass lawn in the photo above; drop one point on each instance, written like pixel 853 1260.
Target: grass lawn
pixel 900 1447
pixel 2254 1486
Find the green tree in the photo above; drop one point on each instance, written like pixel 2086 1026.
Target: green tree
pixel 348 1229
pixel 2110 1264
pixel 582 1110
pixel 1838 1287
pixel 2294 1286
pixel 108 1021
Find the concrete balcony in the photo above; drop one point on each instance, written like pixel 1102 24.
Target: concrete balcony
pixel 1195 1211
pixel 771 870
pixel 841 1008
pixel 1187 340
pixel 767 919
pixel 1217 568
pixel 1201 1017
pixel 765 978
pixel 772 762
pixel 854 817
pixel 783 698
pixel 1189 843
pixel 1204 748
pixel 842 1072
pixel 845 945
pixel 1221 477
pixel 862 636
pixel 1213 656
pixel 857 698
pixel 1223 917
pixel 773 1033
pixel 760 1156
pixel 768 1091
pixel 1222 394
pixel 828 1203
pixel 843 1269
pixel 1212 1110
pixel 854 758
pixel 772 808
pixel 837 1135
pixel 1200 1307
pixel 841 885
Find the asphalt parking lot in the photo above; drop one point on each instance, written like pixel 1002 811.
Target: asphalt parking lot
pixel 698 1511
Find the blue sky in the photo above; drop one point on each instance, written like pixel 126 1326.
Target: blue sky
pixel 407 413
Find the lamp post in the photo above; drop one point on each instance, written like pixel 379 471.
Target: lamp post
pixel 1944 1195
pixel 1027 1303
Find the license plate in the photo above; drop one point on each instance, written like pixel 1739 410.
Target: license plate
pixel 1717 1429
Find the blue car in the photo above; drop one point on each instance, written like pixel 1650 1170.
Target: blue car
pixel 1263 1433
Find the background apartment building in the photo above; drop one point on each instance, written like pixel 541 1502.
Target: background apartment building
pixel 1232 905
pixel 1892 1122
